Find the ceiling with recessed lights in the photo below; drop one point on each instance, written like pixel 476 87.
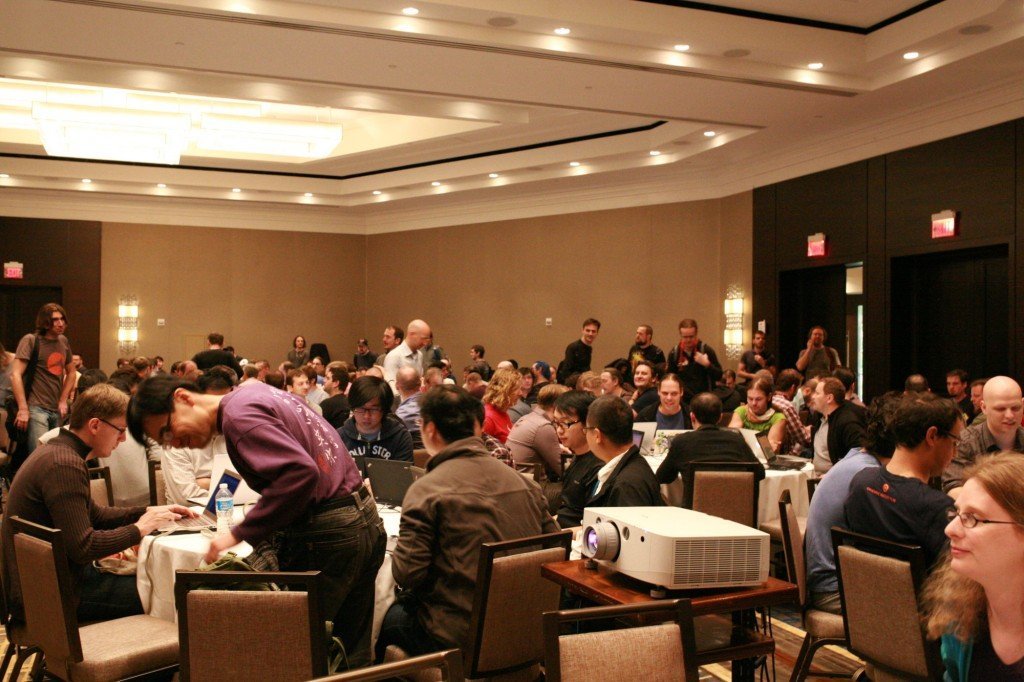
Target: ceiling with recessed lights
pixel 438 113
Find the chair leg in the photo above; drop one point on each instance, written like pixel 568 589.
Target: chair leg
pixel 7 660
pixel 802 663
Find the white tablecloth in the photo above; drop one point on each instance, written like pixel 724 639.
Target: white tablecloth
pixel 768 494
pixel 160 557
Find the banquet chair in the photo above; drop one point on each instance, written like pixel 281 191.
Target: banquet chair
pixel 505 627
pixel 110 650
pixel 420 458
pixel 728 490
pixel 157 484
pixel 446 663
pixel 879 586
pixel 660 652
pixel 19 647
pixel 290 642
pixel 101 489
pixel 822 627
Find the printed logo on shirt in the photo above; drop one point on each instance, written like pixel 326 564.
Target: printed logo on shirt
pixel 55 364
pixel 881 494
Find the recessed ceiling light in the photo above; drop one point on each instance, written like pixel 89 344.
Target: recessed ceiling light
pixel 911 55
pixel 236 190
pixel 709 133
pixel 161 185
pixel 681 47
pixel 86 180
pixel 435 183
pixel 4 176
pixel 563 31
pixel 308 194
pixel 574 164
pixel 410 11
pixel 377 192
pixel 655 152
pixel 403 27
pixel 492 176
pixel 815 66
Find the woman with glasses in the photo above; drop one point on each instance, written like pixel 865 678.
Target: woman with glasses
pixel 372 430
pixel 975 598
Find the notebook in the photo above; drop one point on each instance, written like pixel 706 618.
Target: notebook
pixel 208 518
pixel 778 462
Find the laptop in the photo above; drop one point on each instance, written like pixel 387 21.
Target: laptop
pixel 778 462
pixel 638 439
pixel 648 429
pixel 389 480
pixel 208 518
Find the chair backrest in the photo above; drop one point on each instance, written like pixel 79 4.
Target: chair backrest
pixel 47 598
pixel 665 651
pixel 448 663
pixel 509 601
pixel 879 584
pixel 793 546
pixel 286 639
pixel 100 487
pixel 728 490
pixel 420 457
pixel 157 484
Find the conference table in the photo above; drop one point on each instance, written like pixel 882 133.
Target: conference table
pixel 161 555
pixel 795 481
pixel 605 586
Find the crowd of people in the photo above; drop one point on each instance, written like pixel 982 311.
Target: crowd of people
pixel 514 451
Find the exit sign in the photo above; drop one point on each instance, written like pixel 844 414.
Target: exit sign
pixel 944 224
pixel 816 245
pixel 14 270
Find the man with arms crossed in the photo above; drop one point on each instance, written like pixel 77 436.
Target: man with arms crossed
pixel 311 490
pixel 465 499
pixel 53 379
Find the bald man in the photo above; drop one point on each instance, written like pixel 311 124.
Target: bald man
pixel 1003 405
pixel 409 352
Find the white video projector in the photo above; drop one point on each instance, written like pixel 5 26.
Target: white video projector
pixel 675 548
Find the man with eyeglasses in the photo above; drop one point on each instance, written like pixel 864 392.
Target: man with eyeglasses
pixel 894 501
pixel 625 479
pixel 53 490
pixel 1002 405
pixel 313 505
pixel 570 416
pixel 42 379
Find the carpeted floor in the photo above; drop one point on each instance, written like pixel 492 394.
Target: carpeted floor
pixel 785 629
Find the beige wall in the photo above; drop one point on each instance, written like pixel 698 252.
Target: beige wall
pixel 258 288
pixel 491 283
pixel 495 283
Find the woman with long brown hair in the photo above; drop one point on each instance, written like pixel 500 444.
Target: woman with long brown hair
pixel 974 600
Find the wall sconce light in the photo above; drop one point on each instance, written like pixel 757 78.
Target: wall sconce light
pixel 733 335
pixel 128 324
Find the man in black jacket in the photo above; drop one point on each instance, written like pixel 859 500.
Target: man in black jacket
pixel 838 427
pixel 578 353
pixel 707 444
pixel 216 355
pixel 694 361
pixel 625 480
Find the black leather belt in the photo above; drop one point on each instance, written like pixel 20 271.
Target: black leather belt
pixel 347 500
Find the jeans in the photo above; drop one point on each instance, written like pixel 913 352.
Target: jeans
pixel 105 596
pixel 402 628
pixel 347 546
pixel 40 420
pixel 826 601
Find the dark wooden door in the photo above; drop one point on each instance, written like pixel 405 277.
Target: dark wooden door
pixel 808 298
pixel 950 310
pixel 18 308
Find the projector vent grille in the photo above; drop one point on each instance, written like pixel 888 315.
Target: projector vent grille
pixel 717 561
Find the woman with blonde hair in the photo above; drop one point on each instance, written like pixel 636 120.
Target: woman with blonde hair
pixel 501 393
pixel 974 600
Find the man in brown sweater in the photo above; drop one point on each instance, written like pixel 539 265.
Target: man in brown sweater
pixel 52 489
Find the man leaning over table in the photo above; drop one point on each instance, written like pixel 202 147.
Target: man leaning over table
pixel 52 489
pixel 466 498
pixel 313 503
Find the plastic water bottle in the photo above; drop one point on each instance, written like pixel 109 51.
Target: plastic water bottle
pixel 225 503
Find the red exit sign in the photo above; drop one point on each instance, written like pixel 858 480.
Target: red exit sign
pixel 14 270
pixel 816 245
pixel 944 224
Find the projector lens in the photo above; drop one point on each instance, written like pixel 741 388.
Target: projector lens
pixel 601 541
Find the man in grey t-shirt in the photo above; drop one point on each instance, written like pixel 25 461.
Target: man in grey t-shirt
pixel 46 404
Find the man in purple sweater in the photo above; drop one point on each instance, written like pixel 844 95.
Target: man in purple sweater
pixel 312 497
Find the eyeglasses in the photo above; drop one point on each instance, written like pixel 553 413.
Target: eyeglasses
pixel 120 429
pixel 969 520
pixel 952 436
pixel 590 428
pixel 363 411
pixel 566 425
